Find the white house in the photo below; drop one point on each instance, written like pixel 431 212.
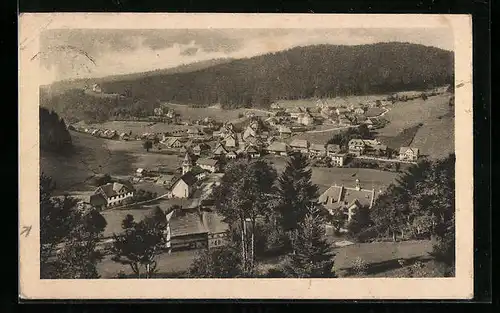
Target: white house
pixel 408 154
pixel 356 146
pixel 183 186
pixel 210 165
pixel 338 159
pixel 111 194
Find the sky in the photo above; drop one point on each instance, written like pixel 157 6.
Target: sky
pixel 78 53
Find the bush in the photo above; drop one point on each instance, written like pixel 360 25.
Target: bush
pixel 359 266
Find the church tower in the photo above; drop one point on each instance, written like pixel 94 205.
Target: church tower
pixel 186 164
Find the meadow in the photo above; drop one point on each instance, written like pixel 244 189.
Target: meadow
pixel 337 101
pixel 100 156
pixel 214 112
pixel 434 137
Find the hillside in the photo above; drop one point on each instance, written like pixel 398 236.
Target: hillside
pixel 301 72
pixel 65 85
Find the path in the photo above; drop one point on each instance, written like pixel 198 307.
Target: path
pixel 136 203
pixel 385 160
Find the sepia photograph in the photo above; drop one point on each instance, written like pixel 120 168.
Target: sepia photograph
pixel 201 150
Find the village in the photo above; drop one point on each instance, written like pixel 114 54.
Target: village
pixel 205 146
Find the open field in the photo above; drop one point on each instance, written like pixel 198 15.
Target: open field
pixel 99 156
pixel 403 139
pixel 215 113
pixel 167 263
pixel 325 177
pixel 346 101
pixel 435 137
pixel 382 257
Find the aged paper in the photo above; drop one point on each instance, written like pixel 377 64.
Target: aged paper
pixel 56 47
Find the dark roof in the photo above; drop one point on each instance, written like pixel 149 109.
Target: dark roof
pixel 214 223
pixel 197 170
pixel 345 196
pixel 97 200
pixel 186 224
pixel 189 178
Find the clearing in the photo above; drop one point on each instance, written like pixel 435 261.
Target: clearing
pixel 382 257
pixel 100 156
pixel 435 138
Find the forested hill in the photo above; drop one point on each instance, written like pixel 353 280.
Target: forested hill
pixel 302 72
pixel 54 136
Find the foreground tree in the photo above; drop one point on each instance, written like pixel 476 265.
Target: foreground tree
pixel 245 193
pixel 69 236
pixel 141 242
pixel 313 257
pixel 296 192
pixel 221 262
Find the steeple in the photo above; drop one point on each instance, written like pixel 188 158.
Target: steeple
pixel 187 164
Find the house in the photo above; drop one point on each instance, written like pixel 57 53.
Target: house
pixel 295 111
pixel 278 148
pixel 251 151
pixel 285 132
pixel 220 150
pixel 317 150
pixel 140 172
pixel 231 155
pixel 96 88
pixel 408 154
pixel 305 118
pixel 338 159
pixel 111 194
pixel 374 147
pixel 341 111
pixel 345 121
pixel 347 199
pixel 194 132
pixel 183 187
pixel 356 146
pixel 195 230
pixel 174 142
pixel 359 110
pixel 124 136
pixel 369 123
pixel 230 141
pixel 210 165
pixel 198 149
pixel 300 145
pixel 332 149
pixel 250 131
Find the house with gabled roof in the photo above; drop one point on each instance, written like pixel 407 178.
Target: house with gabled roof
pixel 220 149
pixel 251 151
pixel 278 148
pixel 357 146
pixel 183 187
pixel 211 165
pixel 285 132
pixel 317 150
pixel 408 154
pixel 300 145
pixel 347 199
pixel 111 194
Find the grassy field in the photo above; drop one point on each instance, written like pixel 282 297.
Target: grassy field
pixel 325 177
pixel 310 103
pixel 382 257
pixel 403 139
pixel 213 112
pixel 99 156
pixel 434 138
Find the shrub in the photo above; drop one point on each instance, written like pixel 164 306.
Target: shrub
pixel 359 266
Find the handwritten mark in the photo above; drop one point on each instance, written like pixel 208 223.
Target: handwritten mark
pixel 26 231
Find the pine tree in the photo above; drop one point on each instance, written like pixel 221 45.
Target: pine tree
pixel 313 257
pixel 296 192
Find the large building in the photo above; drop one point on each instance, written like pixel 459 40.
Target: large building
pixel 347 199
pixel 408 154
pixel 111 194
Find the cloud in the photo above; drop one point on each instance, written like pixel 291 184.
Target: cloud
pixel 127 51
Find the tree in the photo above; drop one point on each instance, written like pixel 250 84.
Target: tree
pixel 68 236
pixel 147 144
pixel 296 192
pixel 221 262
pixel 313 257
pixel 141 242
pixel 338 220
pixel 360 220
pixel 245 193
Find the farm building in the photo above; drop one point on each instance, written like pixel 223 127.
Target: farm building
pixel 356 146
pixel 251 151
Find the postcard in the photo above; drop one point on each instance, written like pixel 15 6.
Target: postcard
pixel 245 156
